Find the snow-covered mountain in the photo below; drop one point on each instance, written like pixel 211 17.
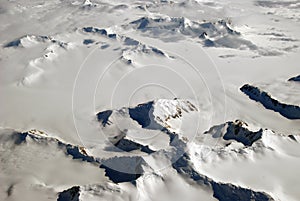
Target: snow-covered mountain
pixel 149 100
pixel 126 175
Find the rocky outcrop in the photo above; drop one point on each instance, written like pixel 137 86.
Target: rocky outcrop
pixel 295 79
pixel 235 130
pixel 103 117
pixel 155 115
pixel 71 194
pixel 129 145
pixel 286 110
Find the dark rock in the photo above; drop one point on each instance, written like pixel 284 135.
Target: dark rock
pixel 292 137
pixel 236 131
pixel 14 43
pixel 103 117
pixel 88 41
pixel 288 111
pixel 295 79
pixel 128 145
pixel 142 113
pixel 71 194
pixel 19 138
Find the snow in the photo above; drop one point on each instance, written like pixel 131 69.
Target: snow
pixel 97 83
pixel 256 167
pixel 37 169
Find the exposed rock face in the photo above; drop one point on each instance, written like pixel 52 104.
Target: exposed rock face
pixel 128 146
pixel 238 131
pixel 286 110
pixel 229 192
pixel 103 117
pixel 295 79
pixel 142 114
pixel 235 130
pixel 71 194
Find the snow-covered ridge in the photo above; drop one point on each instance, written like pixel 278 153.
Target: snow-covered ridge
pixel 184 167
pixel 32 40
pixel 148 152
pixel 132 168
pixel 207 155
pixel 185 26
pixel 286 110
pixel 131 48
pixel 51 48
pixel 158 114
pixel 239 137
pixel 77 152
pixel 35 68
pixel 211 34
pixel 221 191
pixel 118 169
pixel 236 130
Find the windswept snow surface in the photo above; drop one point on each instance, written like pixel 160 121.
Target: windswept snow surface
pixel 149 100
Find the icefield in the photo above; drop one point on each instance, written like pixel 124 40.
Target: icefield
pixel 150 100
